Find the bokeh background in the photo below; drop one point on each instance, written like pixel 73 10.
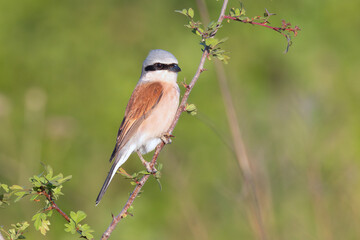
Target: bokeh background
pixel 67 69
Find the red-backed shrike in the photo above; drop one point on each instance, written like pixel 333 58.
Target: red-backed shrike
pixel 149 112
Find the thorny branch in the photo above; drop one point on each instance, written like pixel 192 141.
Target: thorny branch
pixel 285 26
pixel 158 149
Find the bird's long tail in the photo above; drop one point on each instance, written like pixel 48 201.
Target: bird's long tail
pixel 120 160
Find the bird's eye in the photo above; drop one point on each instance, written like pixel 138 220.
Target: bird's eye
pixel 158 65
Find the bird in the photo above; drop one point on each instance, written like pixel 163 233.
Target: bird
pixel 149 112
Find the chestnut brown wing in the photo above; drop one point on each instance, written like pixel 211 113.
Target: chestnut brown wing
pixel 144 98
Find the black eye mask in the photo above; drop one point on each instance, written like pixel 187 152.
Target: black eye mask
pixel 173 67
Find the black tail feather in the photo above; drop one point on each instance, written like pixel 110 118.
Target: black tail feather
pixel 105 185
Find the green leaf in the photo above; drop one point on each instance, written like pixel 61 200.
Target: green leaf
pixel 20 195
pixel 232 12
pixel 212 25
pixel 33 197
pixel 73 226
pixel 242 11
pixel 44 227
pixel 70 227
pixel 55 180
pixel 191 109
pixel 49 170
pixel 78 216
pixel 37 220
pixel 130 210
pixel 221 55
pixel 244 19
pixel 17 231
pixel 143 172
pixel 86 231
pixel 212 42
pixel 49 213
pixel 40 223
pixel 191 13
pixel 16 187
pixel 5 187
pixel 198 31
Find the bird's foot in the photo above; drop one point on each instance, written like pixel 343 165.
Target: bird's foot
pixel 166 138
pixel 150 169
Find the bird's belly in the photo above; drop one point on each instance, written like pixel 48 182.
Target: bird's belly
pixel 149 145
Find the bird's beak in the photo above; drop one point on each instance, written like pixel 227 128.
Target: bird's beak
pixel 175 68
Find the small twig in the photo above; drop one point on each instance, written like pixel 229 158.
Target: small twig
pixel 158 149
pixel 264 24
pixel 54 206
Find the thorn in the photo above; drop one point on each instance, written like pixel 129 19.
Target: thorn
pixel 185 85
pixel 203 70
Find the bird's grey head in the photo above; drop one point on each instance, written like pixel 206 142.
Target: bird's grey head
pixel 160 62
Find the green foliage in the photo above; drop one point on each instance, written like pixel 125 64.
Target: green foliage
pixel 4 194
pixel 49 186
pixel 16 232
pixel 41 183
pixel 239 14
pixel 41 223
pixel 75 226
pixel 191 109
pixel 207 35
pixel 49 183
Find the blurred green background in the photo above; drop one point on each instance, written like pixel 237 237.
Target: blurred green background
pixel 67 69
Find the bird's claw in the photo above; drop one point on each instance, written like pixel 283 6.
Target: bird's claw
pixel 166 138
pixel 150 169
